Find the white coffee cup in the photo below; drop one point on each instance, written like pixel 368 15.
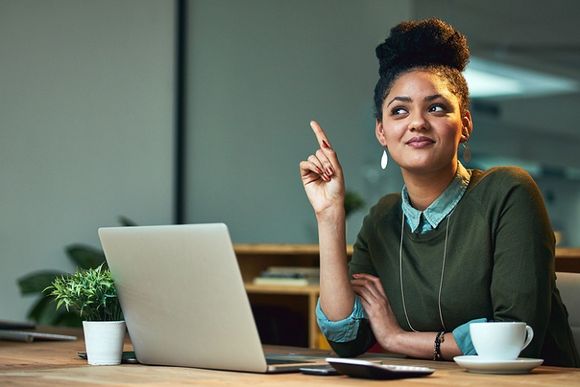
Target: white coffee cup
pixel 500 340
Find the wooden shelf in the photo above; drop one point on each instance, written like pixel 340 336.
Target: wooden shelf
pixel 255 258
pixel 306 295
pixel 282 289
pixel 568 259
pixel 281 249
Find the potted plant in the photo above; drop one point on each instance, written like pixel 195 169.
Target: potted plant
pixel 91 293
pixel 352 202
pixel 33 284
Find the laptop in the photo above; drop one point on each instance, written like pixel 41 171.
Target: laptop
pixel 184 300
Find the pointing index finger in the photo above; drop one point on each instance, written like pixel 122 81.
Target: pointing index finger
pixel 320 135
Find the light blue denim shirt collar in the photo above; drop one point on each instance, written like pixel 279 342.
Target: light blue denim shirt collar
pixel 441 207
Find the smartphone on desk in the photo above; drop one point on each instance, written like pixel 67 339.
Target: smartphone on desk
pixel 319 369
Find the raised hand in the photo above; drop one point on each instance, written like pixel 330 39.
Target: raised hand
pixel 322 176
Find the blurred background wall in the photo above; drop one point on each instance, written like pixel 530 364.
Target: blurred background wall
pixel 87 114
pixel 86 127
pixel 259 71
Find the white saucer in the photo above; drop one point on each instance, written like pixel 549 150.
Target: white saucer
pixel 521 365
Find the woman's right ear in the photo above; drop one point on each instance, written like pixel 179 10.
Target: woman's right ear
pixel 380 132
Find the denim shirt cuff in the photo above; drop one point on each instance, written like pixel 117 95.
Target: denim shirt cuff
pixel 463 337
pixel 341 331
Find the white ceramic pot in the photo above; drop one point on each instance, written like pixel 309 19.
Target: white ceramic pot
pixel 104 341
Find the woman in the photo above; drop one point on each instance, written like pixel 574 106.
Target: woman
pixel 456 246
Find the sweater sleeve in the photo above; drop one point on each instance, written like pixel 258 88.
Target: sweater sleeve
pixel 463 337
pixel 342 330
pixel 523 258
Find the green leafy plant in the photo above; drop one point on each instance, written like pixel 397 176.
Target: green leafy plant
pixel 42 311
pixel 91 293
pixel 352 202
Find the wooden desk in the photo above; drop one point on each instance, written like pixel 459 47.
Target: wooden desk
pixel 56 364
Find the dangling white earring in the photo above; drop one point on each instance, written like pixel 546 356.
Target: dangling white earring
pixel 384 160
pixel 466 152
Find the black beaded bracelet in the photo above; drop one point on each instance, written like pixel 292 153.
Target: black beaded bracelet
pixel 438 340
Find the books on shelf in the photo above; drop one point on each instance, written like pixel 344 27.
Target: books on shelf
pixel 289 276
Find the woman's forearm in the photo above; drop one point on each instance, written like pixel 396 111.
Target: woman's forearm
pixel 421 345
pixel 336 295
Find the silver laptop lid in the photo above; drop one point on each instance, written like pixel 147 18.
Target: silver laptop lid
pixel 183 296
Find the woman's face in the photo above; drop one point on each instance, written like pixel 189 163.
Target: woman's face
pixel 422 125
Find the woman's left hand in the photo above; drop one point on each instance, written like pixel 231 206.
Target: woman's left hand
pixel 378 309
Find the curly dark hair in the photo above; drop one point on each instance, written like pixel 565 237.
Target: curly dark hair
pixel 429 44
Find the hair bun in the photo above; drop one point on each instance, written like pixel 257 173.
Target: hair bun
pixel 422 43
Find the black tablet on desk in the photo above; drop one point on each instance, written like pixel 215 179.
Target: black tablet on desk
pixel 5 324
pixel 371 370
pixel 29 336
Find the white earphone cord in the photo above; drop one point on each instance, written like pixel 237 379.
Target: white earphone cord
pixel 442 273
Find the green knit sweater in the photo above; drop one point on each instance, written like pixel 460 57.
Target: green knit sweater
pixel 499 265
